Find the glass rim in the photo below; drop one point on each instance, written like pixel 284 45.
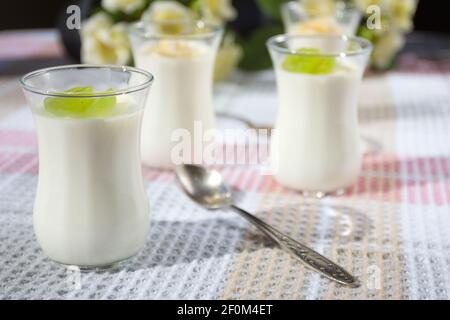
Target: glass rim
pixel 214 28
pixel 148 81
pixel 274 41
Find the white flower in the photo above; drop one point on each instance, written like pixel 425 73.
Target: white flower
pixel 386 48
pixel 127 6
pixel 396 20
pixel 400 13
pixel 167 11
pixel 103 42
pixel 218 11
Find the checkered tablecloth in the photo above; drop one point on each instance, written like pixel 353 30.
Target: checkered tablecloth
pixel 391 228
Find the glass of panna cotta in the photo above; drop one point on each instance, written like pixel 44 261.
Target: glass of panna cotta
pixel 316 144
pixel 181 56
pixel 91 209
pixel 343 19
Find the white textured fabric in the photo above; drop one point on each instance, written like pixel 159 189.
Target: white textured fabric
pixel 392 229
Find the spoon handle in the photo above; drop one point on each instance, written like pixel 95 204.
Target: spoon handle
pixel 306 255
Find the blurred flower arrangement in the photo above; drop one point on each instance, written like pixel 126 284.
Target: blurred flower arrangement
pixel 104 37
pixel 104 34
pixel 396 21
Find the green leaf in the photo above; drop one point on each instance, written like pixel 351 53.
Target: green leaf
pixel 272 8
pixel 366 33
pixel 196 7
pixel 256 56
pixel 187 3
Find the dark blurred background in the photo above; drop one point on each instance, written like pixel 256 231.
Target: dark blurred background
pixel 432 15
pixel 430 40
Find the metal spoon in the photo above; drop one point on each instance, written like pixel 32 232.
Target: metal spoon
pixel 206 187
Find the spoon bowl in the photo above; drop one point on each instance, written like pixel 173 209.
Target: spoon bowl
pixel 205 187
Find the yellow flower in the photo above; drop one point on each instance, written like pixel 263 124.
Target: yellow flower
pixel 127 6
pixel 364 4
pixel 166 11
pixel 227 58
pixel 385 49
pixel 218 11
pixel 103 42
pixel 169 14
pixel 319 7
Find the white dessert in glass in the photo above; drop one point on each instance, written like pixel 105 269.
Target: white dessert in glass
pixel 317 141
pixel 183 65
pixel 91 208
pixel 337 18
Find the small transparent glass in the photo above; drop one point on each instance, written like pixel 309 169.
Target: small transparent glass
pixel 91 209
pixel 316 145
pixel 181 55
pixel 297 20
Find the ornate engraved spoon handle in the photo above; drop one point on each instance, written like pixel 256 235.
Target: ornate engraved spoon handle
pixel 306 255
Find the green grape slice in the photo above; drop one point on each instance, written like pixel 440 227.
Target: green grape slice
pixel 83 107
pixel 316 65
